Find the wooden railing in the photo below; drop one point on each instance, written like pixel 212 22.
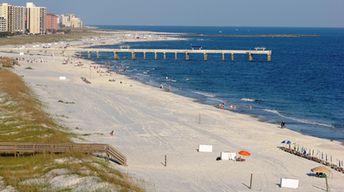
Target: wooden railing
pixel 33 148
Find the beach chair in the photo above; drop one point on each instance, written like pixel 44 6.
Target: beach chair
pixel 240 159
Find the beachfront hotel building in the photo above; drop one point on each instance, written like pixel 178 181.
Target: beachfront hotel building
pixel 70 21
pixel 12 18
pixel 52 22
pixel 3 25
pixel 35 19
pixel 16 19
pixel 4 17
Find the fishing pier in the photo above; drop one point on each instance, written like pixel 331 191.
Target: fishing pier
pixel 176 53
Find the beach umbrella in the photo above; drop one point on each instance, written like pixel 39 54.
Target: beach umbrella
pixel 321 169
pixel 244 153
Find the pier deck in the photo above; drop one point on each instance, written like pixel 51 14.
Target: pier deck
pixel 133 52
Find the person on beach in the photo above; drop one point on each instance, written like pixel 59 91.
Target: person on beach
pixel 112 132
pixel 282 124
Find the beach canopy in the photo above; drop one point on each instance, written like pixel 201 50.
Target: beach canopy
pixel 244 153
pixel 321 169
pixel 288 142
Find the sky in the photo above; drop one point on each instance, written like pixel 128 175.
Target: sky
pixel 274 13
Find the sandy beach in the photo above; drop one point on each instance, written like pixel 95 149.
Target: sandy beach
pixel 149 123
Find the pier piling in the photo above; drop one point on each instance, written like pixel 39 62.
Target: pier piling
pixel 133 55
pixel 187 57
pixel 223 56
pixel 232 56
pixel 165 56
pixel 250 57
pixel 205 56
pixel 269 57
pixel 175 56
pixel 156 55
pixel 115 55
pixel 144 55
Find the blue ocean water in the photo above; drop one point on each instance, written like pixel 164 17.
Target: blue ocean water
pixel 302 86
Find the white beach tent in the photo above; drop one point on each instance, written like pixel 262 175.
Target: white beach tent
pixel 225 156
pixel 205 148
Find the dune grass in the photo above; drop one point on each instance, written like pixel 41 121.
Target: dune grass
pixel 28 39
pixel 22 119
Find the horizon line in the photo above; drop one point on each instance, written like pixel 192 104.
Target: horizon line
pixel 137 25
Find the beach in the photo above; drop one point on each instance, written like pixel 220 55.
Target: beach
pixel 148 124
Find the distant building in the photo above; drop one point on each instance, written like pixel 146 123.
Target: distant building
pixel 70 21
pixel 4 17
pixel 51 23
pixel 16 19
pixel 3 25
pixel 35 19
pixel 13 17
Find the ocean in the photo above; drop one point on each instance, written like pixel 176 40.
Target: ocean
pixel 303 86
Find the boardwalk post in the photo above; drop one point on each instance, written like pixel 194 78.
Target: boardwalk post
pixel 175 56
pixel 251 179
pixel 156 55
pixel 115 55
pixel 205 55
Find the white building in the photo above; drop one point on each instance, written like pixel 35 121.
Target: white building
pixel 4 17
pixel 35 19
pixel 3 25
pixel 13 17
pixel 70 21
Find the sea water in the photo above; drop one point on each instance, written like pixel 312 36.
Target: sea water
pixel 302 86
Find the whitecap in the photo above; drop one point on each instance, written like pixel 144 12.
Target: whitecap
pixel 205 94
pixel 248 99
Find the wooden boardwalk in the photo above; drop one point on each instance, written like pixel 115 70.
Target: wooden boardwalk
pixel 175 52
pixel 18 149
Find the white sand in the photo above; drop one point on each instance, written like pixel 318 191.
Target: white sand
pixel 150 123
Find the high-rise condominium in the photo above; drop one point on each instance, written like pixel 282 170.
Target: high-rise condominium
pixel 35 19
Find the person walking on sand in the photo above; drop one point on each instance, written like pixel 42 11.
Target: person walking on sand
pixel 112 132
pixel 282 124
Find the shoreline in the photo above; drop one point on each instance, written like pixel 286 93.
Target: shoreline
pixel 301 124
pixel 214 128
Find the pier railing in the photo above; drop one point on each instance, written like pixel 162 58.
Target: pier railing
pixel 144 52
pixel 18 149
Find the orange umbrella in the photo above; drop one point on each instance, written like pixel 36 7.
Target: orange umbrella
pixel 321 169
pixel 244 153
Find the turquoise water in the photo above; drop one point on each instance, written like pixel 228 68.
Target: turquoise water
pixel 302 86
